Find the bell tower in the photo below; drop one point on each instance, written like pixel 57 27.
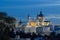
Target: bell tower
pixel 28 20
pixel 40 18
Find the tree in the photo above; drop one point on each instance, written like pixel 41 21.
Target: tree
pixel 10 20
pixel 2 25
pixel 3 15
pixel 7 20
pixel 6 34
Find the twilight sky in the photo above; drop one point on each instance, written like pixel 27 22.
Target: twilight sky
pixel 21 8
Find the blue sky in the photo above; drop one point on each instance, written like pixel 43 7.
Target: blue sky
pixel 21 8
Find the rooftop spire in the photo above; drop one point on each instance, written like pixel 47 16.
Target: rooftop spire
pixel 28 15
pixel 20 22
pixel 41 15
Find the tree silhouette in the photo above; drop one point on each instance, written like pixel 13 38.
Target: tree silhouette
pixel 6 33
pixel 3 15
pixel 10 20
pixel 5 22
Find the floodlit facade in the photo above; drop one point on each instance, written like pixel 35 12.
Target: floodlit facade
pixel 37 25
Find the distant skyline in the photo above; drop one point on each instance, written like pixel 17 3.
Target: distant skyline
pixel 21 8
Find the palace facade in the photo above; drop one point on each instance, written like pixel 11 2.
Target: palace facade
pixel 37 25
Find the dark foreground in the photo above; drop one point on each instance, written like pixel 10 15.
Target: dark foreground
pixel 19 35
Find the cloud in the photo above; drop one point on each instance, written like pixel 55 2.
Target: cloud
pixel 29 6
pixel 51 15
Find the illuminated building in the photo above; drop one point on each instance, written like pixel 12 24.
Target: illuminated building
pixel 33 25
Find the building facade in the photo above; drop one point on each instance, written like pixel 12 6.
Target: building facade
pixel 37 25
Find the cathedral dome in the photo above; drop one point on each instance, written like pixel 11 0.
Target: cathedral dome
pixel 40 15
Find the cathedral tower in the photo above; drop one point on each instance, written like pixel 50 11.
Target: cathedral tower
pixel 40 17
pixel 28 20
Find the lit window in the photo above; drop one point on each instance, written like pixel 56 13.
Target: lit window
pixel 32 24
pixel 45 23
